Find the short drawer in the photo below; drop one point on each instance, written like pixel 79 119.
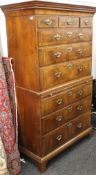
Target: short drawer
pixel 86 22
pixel 64 72
pixel 64 36
pixel 62 53
pixel 68 21
pixel 57 119
pixel 66 132
pixel 47 21
pixel 65 98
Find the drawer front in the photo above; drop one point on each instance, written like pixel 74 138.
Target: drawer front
pixel 61 73
pixel 57 54
pixel 68 21
pixel 64 36
pixel 64 115
pixel 52 104
pixel 47 21
pixel 86 22
pixel 63 134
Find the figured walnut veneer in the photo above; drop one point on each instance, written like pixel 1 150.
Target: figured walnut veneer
pixel 51 44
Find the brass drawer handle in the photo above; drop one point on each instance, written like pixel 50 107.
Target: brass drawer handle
pixel 69 65
pixel 80 92
pixel 59 118
pixel 69 34
pixel 58 74
pixel 69 22
pixel 57 37
pixel 69 108
pixel 59 101
pixel 57 54
pixel 79 125
pixel 80 35
pixel 59 137
pixel 80 51
pixel 69 124
pixel 69 49
pixel 69 93
pixel 80 108
pixel 48 21
pixel 86 22
pixel 80 69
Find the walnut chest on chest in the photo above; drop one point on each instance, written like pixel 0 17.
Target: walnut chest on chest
pixel 51 44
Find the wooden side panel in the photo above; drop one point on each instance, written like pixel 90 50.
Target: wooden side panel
pixel 29 120
pixel 23 48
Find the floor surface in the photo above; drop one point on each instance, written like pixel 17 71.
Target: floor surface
pixel 79 159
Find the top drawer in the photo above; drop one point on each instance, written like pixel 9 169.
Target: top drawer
pixel 47 21
pixel 50 21
pixel 68 21
pixel 86 21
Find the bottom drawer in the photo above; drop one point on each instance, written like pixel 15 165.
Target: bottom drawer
pixel 61 135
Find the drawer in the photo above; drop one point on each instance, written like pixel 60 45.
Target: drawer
pixel 65 98
pixel 64 36
pixel 66 132
pixel 62 53
pixel 86 21
pixel 47 21
pixel 64 72
pixel 56 119
pixel 68 21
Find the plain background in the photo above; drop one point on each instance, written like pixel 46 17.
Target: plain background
pixel 3 37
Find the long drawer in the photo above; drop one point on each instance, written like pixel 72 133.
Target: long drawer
pixel 64 72
pixel 64 36
pixel 66 132
pixel 63 53
pixel 56 119
pixel 65 98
